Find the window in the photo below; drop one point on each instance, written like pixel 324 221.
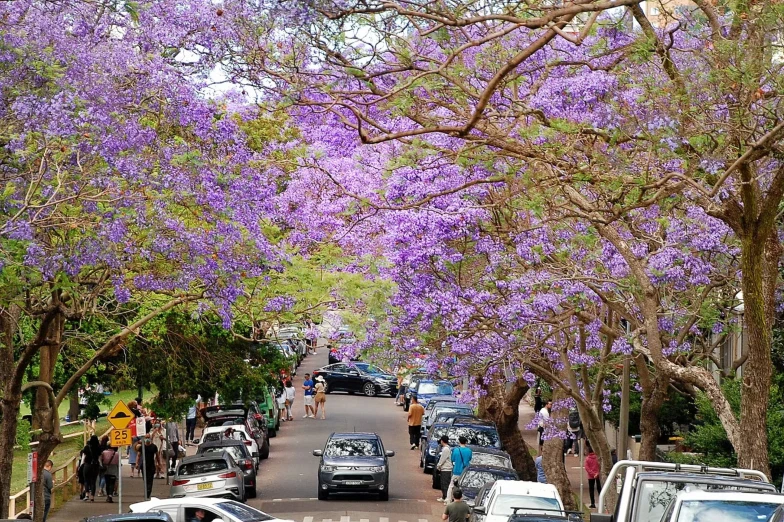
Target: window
pixel 338 368
pixel 478 437
pixel 202 467
pixel 353 448
pixel 209 516
pixel 242 512
pixel 170 510
pixel 504 504
pixel 477 479
pixel 430 388
pixel 488 459
pixel 235 451
pixel 724 510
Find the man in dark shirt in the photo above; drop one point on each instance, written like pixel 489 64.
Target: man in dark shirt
pixel 457 511
pixel 150 452
pixel 48 484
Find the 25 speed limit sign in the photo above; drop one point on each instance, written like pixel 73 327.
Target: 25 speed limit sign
pixel 120 437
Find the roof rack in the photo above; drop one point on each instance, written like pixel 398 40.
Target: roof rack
pixel 571 515
pixel 643 465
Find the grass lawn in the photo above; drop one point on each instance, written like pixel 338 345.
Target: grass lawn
pixel 69 447
pixel 125 395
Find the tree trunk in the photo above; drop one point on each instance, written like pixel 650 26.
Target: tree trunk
pixel 653 398
pixel 759 266
pixel 594 432
pixel 553 455
pixel 10 400
pixel 502 407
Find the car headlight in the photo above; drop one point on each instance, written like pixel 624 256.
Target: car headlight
pixel 433 451
pixel 327 468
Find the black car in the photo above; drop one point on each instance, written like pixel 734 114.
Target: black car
pixel 353 463
pixel 241 455
pixel 357 377
pixel 151 516
pixel 226 415
pixel 476 476
pixel 478 432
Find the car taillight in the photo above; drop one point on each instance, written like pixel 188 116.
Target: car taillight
pixel 248 443
pixel 230 474
pixel 180 482
pixel 248 464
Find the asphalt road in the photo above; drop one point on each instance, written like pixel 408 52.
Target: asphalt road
pixel 288 480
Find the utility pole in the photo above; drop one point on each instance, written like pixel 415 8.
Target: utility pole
pixel 623 427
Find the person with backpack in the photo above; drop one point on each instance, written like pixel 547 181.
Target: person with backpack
pixel 575 432
pixel 461 459
pixel 110 458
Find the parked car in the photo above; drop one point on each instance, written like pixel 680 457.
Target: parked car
pixel 353 462
pixel 218 433
pixel 216 509
pixel 241 455
pixel 426 389
pixel 725 506
pixel 268 405
pixel 438 399
pixel 356 377
pixel 152 516
pixel 556 515
pixel 214 475
pixel 490 457
pixel 477 475
pixel 648 487
pixel 245 419
pixel 478 432
pixel 497 501
pixel 445 412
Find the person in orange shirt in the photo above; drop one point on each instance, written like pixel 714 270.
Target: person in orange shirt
pixel 415 414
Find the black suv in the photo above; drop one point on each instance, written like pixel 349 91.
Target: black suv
pixel 357 377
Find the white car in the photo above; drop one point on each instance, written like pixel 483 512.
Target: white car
pixel 184 509
pixel 723 506
pixel 216 433
pixel 497 502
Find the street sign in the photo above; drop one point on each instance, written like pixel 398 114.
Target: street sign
pixel 32 467
pixel 141 426
pixel 120 416
pixel 121 437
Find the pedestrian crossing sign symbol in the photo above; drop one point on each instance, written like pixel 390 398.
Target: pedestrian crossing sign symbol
pixel 120 416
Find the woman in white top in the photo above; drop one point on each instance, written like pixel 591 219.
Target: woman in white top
pixel 290 393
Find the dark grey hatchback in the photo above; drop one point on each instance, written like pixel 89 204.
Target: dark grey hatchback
pixel 353 463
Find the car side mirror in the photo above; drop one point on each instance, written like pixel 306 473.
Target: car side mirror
pixel 480 510
pixel 318 453
pixel 390 453
pixel 602 518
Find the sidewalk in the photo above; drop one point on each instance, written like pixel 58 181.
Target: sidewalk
pixel 573 469
pixel 132 491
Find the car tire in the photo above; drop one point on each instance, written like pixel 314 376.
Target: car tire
pixel 369 389
pixel 405 406
pixel 326 387
pixel 421 461
pixel 273 432
pixel 251 493
pixel 393 394
pixel 384 495
pixel 264 453
pixel 322 494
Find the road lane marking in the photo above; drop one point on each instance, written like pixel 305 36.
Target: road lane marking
pixel 345 518
pixel 383 519
pixel 307 519
pixel 364 520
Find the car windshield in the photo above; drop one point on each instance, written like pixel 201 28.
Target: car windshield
pixel 477 479
pixel 216 436
pixel 242 512
pixel 505 503
pixel 433 388
pixel 225 421
pixel 488 459
pixel 235 451
pixel 456 409
pixel 476 436
pixel 725 511
pixel 202 467
pixel 656 495
pixel 353 448
pixel 438 432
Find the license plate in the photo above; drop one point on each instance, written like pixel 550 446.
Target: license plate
pixel 202 487
pixel 353 483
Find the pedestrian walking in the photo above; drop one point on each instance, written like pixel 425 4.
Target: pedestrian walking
pixel 48 485
pixel 321 396
pixel 457 511
pixel 174 443
pixel 148 466
pixel 310 411
pixel 415 414
pixel 190 420
pixel 290 392
pixel 90 455
pixel 592 470
pixel 111 462
pixel 158 436
pixel 575 428
pixel 461 459
pixel 537 399
pixel 540 476
pixel 544 416
pixel 400 393
pixel 444 467
pixel 101 478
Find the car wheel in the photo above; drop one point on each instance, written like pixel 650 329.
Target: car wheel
pixel 384 495
pixel 322 494
pixel 405 406
pixel 421 461
pixel 369 389
pixel 251 492
pixel 393 394
pixel 273 433
pixel 326 387
pixel 264 454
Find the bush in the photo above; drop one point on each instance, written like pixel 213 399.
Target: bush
pixel 24 435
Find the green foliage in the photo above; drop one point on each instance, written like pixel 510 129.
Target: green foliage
pixel 23 435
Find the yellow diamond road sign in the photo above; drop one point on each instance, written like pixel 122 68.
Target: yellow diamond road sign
pixel 120 416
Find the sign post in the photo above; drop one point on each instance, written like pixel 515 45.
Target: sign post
pixel 120 417
pixel 32 477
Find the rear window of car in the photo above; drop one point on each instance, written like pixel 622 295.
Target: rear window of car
pixel 235 451
pixel 428 388
pixel 202 467
pixel 488 459
pixel 353 448
pixel 226 421
pixel 477 478
pixel 242 512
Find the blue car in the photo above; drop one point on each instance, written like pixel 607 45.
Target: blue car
pixel 474 477
pixel 478 432
pixel 424 390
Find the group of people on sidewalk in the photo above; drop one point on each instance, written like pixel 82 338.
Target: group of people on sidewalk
pixel 315 392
